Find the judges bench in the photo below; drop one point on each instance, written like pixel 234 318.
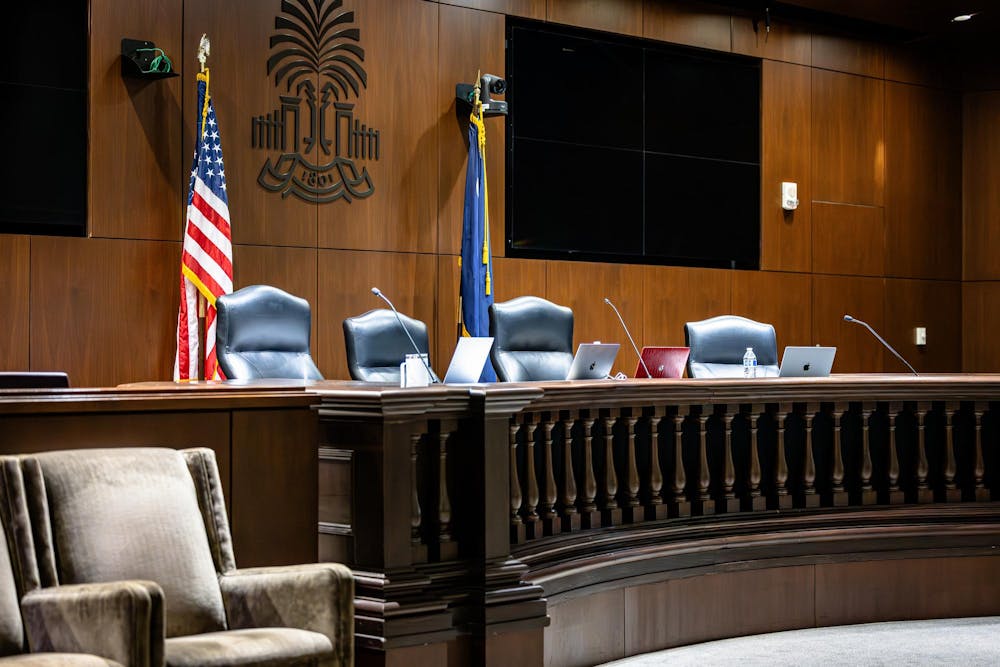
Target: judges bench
pixel 624 515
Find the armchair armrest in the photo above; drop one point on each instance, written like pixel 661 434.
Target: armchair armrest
pixel 120 620
pixel 317 597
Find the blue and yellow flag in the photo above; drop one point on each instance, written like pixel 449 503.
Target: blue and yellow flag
pixel 476 290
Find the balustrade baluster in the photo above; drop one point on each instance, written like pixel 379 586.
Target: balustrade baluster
pixel 531 499
pixel 570 517
pixel 517 535
pixel 868 496
pixel 416 517
pixel 655 509
pixel 728 502
pixel 590 517
pixel 704 504
pixel 547 509
pixel 924 492
pixel 895 493
pixel 447 548
pixel 784 499
pixel 952 494
pixel 756 501
pixel 810 497
pixel 681 506
pixel 611 514
pixel 982 493
pixel 838 496
pixel 631 512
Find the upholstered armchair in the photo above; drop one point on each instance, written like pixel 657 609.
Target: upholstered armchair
pixel 263 332
pixel 65 624
pixel 719 343
pixel 532 339
pixel 376 345
pixel 158 515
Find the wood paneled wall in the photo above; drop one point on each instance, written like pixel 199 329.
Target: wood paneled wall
pixel 981 208
pixel 866 131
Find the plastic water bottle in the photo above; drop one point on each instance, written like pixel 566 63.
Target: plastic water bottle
pixel 749 364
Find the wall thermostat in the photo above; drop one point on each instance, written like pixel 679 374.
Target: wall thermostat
pixel 789 196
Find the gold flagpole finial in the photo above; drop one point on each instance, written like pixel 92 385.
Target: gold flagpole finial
pixel 204 48
pixel 477 88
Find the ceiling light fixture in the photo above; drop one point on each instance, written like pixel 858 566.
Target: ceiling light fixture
pixel 962 17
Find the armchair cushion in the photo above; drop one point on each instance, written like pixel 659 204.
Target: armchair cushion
pixel 317 597
pixel 121 620
pixel 262 646
pixel 94 517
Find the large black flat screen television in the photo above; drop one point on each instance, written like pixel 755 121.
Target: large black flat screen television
pixel 630 150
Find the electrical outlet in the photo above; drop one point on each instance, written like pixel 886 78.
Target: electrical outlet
pixel 789 196
pixel 920 335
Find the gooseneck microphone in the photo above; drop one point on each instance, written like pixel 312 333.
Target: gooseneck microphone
pixel 634 347
pixel 377 292
pixel 848 318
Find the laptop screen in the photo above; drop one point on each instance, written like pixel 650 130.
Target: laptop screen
pixel 593 361
pixel 467 363
pixel 805 361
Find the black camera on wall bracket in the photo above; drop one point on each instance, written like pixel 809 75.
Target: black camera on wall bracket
pixel 490 84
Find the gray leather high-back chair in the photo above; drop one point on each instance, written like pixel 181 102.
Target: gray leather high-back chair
pixel 263 332
pixel 376 345
pixel 719 343
pixel 533 339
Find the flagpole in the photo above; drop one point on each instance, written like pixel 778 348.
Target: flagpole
pixel 476 110
pixel 477 89
pixel 204 47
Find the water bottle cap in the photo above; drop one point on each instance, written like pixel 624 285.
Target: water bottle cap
pixel 749 349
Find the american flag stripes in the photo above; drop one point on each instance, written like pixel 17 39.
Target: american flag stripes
pixel 207 257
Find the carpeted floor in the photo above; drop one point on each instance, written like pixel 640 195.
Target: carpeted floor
pixel 958 641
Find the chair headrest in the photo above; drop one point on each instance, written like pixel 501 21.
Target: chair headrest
pixel 375 340
pixel 724 340
pixel 531 323
pixel 261 317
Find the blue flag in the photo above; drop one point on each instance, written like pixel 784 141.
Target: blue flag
pixel 476 290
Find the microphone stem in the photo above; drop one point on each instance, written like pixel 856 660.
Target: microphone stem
pixel 887 346
pixel 634 346
pixel 420 354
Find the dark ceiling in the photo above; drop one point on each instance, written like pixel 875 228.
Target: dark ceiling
pixel 922 19
pixel 905 21
pixel 970 50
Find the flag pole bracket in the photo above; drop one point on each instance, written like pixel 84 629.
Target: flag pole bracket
pixel 488 85
pixel 142 59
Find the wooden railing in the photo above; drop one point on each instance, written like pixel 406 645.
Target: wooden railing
pixel 576 470
pixel 463 496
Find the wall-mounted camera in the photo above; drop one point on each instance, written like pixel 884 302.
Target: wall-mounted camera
pixel 490 85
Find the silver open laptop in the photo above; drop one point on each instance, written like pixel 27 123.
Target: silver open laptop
pixel 811 362
pixel 593 361
pixel 469 360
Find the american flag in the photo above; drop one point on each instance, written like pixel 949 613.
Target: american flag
pixel 207 258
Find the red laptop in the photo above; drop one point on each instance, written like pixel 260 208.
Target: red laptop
pixel 663 362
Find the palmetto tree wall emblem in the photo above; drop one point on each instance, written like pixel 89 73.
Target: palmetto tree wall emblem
pixel 315 39
pixel 316 63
